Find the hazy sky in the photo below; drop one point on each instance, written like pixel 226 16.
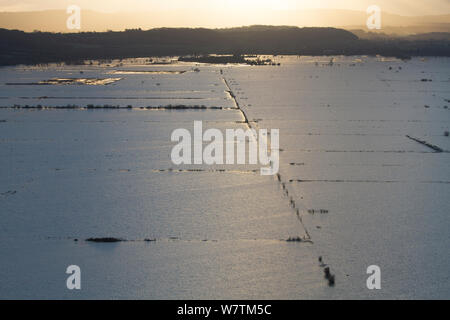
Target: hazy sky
pixel 402 7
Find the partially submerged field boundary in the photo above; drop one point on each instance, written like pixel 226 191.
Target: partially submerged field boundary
pixel 234 98
pixel 111 240
pixel 367 181
pixel 292 202
pixel 427 144
pixel 117 107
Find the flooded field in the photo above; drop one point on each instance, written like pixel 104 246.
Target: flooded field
pixel 363 180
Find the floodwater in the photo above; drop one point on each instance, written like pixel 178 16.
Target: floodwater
pixel 360 182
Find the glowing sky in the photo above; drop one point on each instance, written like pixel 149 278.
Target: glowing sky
pixel 402 7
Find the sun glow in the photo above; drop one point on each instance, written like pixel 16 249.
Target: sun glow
pixel 250 5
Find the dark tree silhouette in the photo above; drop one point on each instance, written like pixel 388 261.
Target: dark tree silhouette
pixel 17 47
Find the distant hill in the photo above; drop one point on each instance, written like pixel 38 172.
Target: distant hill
pixel 362 34
pixel 18 47
pixel 55 20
